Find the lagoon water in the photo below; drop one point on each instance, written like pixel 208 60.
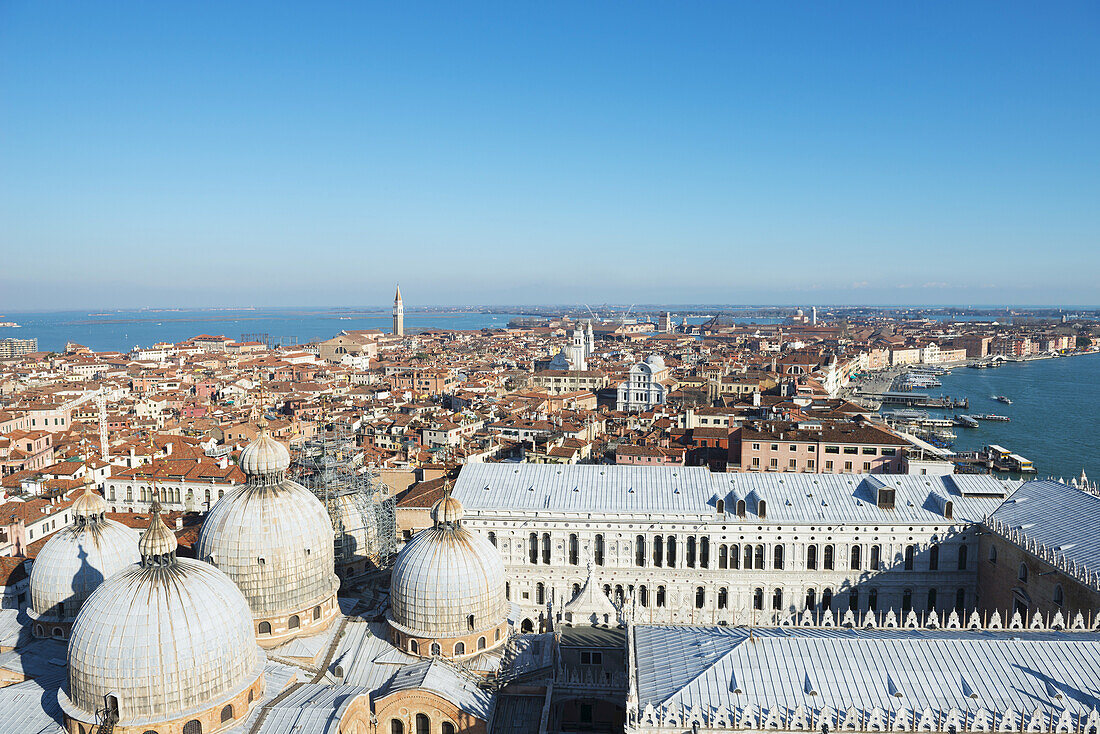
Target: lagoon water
pixel 1055 412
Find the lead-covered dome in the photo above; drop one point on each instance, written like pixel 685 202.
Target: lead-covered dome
pixel 265 455
pixel 166 640
pixel 75 561
pixel 274 538
pixel 447 582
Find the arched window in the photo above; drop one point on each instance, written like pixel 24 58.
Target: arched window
pixel 777 599
pixel 481 641
pixel 811 557
pixel 719 506
pixel 533 547
pixel 643 596
pixel 546 548
pixel 759 557
pixel 735 556
pixel 526 626
pixel 293 622
pixel 826 600
pixel 740 508
pixel 639 551
pixel 38 630
pixel 576 590
pixel 265 628
pixel 1021 573
pixel 423 724
pixel 723 598
pixel 317 612
pixel 934 558
pixel 828 558
pixel 227 712
pixel 723 556
pixel 906 601
pixel 748 557
pixel 777 560
pixel 251 695
pixel 909 551
pixel 57 633
pixel 414 647
pixel 853 599
pixel 396 727
pixel 540 593
pixel 658 551
pixel 811 599
pixel 931 599
pixel 460 648
pixel 496 634
pixel 758 599
pixel 661 596
pixel 872 600
pixel 1059 596
pixel 876 557
pixel 992 554
pixel 962 557
pixel 960 601
pixel 855 556
pixel 194 726
pixel 574 550
pixel 690 554
pixel 762 508
pixel 436 650
pixel 447 728
pixel 492 537
pixel 619 593
pixel 704 552
pixel 671 554
pixel 597 551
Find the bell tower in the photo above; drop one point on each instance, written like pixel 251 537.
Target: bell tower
pixel 398 314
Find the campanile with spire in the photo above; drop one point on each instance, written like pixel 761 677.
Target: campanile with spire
pixel 398 314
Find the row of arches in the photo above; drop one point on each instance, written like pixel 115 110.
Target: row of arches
pixel 293 622
pixel 435 649
pixel 422 724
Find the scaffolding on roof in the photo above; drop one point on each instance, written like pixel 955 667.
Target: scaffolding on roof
pixel 362 509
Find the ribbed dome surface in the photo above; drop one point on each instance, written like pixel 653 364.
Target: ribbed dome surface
pixel 265 455
pixel 276 542
pixel 166 640
pixel 75 561
pixel 447 510
pixel 441 576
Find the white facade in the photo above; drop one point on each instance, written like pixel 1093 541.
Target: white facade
pixel 688 547
pixel 645 389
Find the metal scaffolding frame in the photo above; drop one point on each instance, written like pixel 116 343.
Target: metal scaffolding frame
pixel 329 464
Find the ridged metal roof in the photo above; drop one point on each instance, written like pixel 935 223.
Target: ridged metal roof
pixel 1064 518
pixel 710 667
pixel 789 498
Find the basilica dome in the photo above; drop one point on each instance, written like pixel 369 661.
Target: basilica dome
pixel 163 642
pixel 447 588
pixel 274 538
pixel 75 561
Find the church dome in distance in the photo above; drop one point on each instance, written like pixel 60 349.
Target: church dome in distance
pixel 655 361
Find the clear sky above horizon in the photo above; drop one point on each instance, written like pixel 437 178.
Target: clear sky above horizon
pixel 208 154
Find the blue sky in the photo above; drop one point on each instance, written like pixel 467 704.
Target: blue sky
pixel 196 154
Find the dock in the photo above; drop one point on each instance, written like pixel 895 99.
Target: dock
pixel 993 458
pixel 919 400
